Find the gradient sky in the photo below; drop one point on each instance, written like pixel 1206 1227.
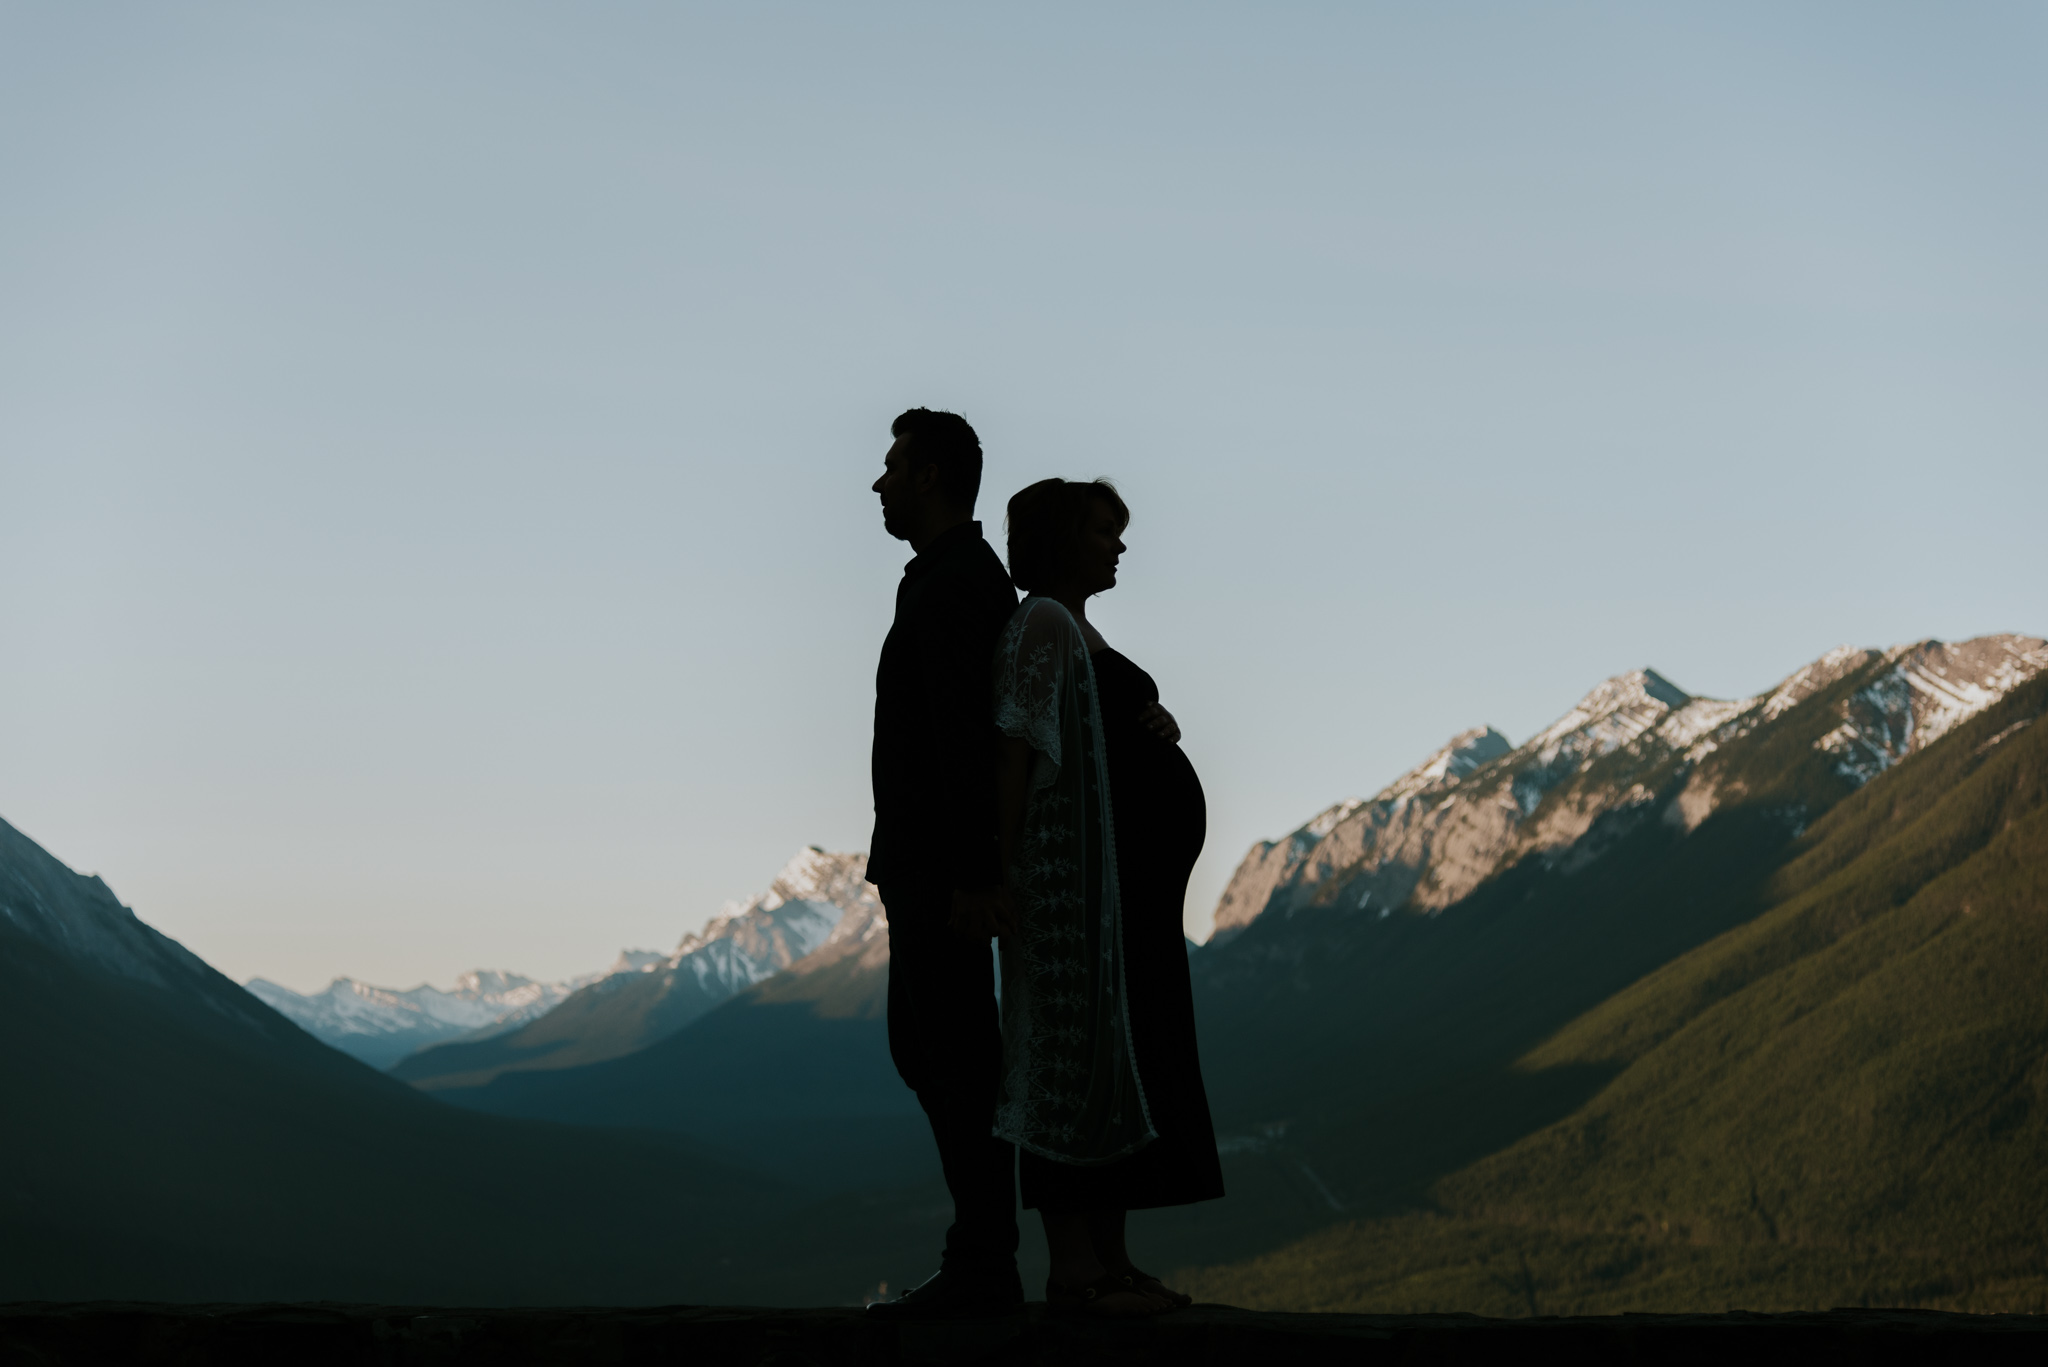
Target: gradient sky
pixel 435 438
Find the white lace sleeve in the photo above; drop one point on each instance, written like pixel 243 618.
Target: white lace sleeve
pixel 1032 659
pixel 1070 1090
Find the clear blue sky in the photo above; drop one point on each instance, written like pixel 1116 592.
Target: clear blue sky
pixel 435 438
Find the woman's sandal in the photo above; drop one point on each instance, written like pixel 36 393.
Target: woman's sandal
pixel 1093 1298
pixel 1145 1284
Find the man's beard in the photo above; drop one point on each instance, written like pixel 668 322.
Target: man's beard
pixel 893 524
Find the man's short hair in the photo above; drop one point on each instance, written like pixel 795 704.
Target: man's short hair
pixel 1043 519
pixel 944 440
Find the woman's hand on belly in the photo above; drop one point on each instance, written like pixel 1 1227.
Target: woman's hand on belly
pixel 1160 723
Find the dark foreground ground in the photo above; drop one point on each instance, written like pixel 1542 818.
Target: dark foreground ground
pixel 32 1335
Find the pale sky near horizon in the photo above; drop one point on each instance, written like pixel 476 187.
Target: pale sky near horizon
pixel 435 438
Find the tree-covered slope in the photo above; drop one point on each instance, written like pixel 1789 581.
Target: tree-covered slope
pixel 1865 1064
pixel 1840 1099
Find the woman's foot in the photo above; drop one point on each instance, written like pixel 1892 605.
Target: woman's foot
pixel 1110 1296
pixel 1145 1284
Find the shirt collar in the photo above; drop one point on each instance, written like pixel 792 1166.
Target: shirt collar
pixel 943 543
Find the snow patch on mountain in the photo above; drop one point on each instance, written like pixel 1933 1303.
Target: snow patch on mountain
pixel 1928 691
pixel 381 1024
pixel 1703 725
pixel 1803 683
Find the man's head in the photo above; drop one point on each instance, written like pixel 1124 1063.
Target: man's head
pixel 930 476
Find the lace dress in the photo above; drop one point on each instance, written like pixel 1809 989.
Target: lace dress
pixel 1154 831
pixel 1070 1089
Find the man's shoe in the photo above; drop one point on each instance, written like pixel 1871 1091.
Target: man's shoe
pixel 955 1295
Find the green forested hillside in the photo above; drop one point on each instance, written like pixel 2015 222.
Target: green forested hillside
pixel 1840 1100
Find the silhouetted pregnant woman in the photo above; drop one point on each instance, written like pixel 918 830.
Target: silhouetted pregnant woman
pixel 1102 1087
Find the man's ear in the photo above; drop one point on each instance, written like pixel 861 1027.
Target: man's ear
pixel 925 478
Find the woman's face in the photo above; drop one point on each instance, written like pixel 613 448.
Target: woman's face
pixel 1091 565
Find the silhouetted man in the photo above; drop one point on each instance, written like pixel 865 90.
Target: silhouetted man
pixel 933 856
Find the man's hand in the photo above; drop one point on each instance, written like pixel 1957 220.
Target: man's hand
pixel 1160 723
pixel 979 913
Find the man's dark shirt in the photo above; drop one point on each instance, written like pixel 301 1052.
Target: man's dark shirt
pixel 935 736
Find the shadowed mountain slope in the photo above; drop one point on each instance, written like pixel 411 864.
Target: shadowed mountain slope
pixel 794 1073
pixel 170 1137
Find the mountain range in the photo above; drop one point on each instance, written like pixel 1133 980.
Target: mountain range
pixel 1680 1003
pixel 381 1025
pixel 1618 939
pixel 644 995
pixel 624 1011
pixel 1377 972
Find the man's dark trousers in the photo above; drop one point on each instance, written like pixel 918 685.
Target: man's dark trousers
pixel 935 830
pixel 947 1044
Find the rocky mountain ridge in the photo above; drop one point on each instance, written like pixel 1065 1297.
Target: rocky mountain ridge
pixel 79 917
pixel 1478 805
pixel 801 910
pixel 747 942
pixel 381 1025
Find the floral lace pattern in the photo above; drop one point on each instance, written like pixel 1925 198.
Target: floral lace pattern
pixel 1070 1088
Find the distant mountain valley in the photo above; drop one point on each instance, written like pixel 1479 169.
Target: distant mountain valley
pixel 1679 1003
pixel 642 996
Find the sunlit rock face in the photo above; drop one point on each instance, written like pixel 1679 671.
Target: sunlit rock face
pixel 1277 870
pixel 1634 747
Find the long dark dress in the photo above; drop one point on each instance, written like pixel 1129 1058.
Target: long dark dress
pixel 1160 821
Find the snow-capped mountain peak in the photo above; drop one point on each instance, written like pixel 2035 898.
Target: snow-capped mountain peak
pixel 793 917
pixel 1464 752
pixel 1538 799
pixel 1810 679
pixel 1612 714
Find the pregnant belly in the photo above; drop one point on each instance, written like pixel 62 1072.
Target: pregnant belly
pixel 1162 818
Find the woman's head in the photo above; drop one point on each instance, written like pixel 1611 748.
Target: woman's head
pixel 1065 536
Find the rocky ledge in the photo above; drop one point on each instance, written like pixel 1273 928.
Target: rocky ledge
pixel 397 1336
